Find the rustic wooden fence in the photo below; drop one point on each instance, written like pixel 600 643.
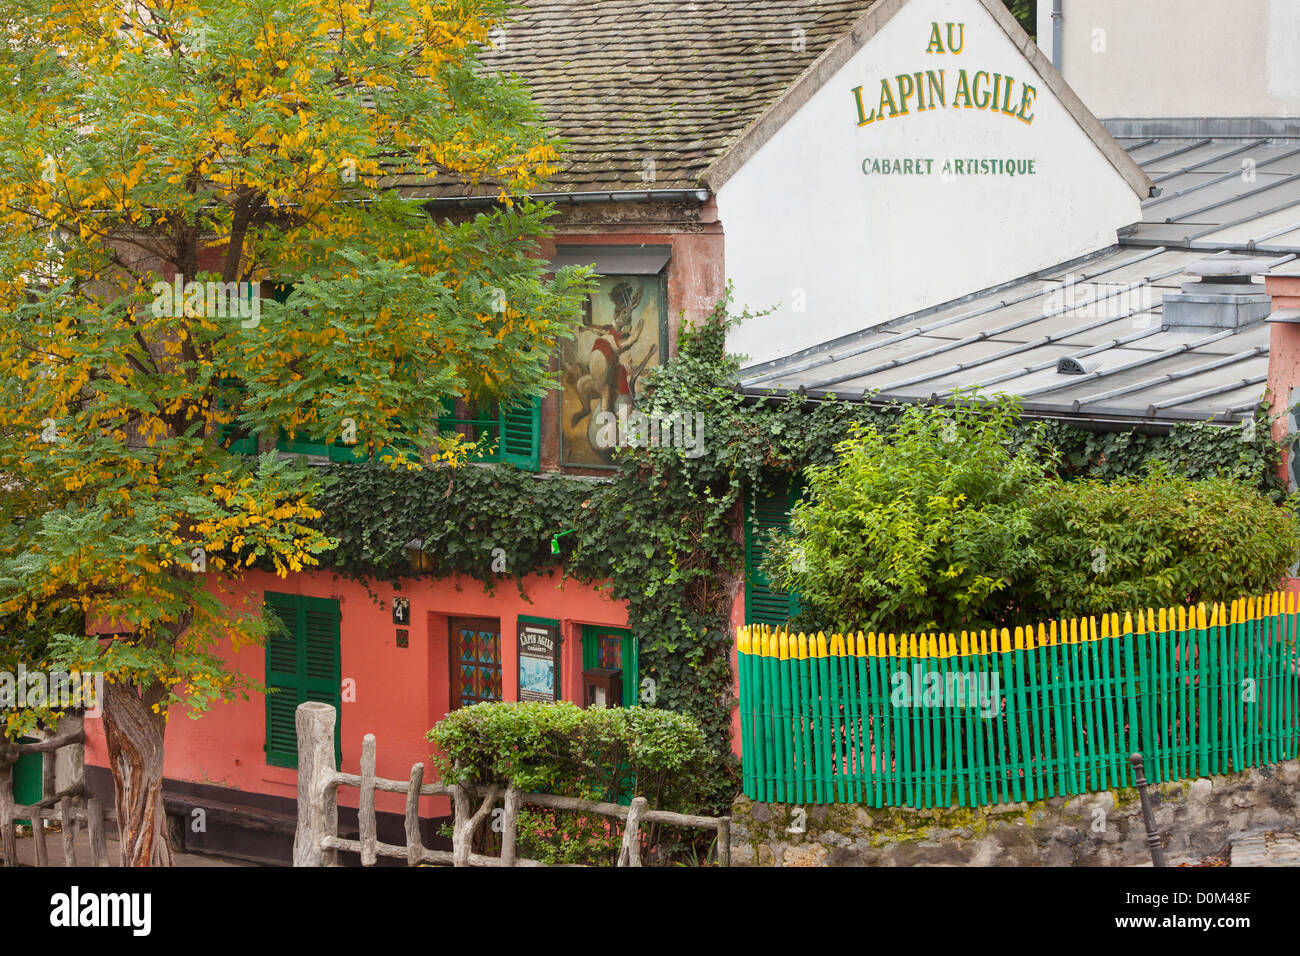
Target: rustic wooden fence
pixel 69 806
pixel 925 720
pixel 317 841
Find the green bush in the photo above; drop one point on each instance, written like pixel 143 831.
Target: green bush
pixel 1154 541
pixel 912 529
pixel 607 754
pixel 956 519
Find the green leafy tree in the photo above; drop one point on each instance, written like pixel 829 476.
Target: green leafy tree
pixel 152 149
pixel 906 530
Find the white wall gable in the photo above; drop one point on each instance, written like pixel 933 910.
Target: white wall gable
pixel 836 249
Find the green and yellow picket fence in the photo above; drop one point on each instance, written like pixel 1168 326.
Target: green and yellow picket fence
pixel 925 720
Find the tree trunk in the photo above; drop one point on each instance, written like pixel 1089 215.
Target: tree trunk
pixel 134 734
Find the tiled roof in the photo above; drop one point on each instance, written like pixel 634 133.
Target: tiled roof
pixel 630 83
pixel 1221 196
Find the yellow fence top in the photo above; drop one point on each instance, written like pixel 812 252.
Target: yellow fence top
pixel 767 641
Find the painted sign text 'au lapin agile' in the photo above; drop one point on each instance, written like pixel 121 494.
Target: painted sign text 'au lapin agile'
pixel 927 90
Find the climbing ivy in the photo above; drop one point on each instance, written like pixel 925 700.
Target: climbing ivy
pixel 664 533
pixel 486 523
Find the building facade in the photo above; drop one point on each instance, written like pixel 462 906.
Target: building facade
pixel 921 202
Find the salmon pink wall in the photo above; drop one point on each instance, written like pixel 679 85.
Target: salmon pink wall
pixel 399 692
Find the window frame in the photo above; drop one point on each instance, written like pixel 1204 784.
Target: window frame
pixel 630 651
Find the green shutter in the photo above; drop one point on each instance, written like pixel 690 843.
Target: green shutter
pixel 764 513
pixel 520 434
pixel 302 664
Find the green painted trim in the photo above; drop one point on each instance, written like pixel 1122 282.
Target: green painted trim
pixel 528 619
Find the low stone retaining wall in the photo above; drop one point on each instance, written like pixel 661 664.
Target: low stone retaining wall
pixel 1195 817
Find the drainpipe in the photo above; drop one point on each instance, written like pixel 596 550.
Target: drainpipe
pixel 1058 18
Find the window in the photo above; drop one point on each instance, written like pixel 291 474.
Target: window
pixel 475 660
pixel 302 664
pixel 765 512
pixel 510 434
pixel 612 647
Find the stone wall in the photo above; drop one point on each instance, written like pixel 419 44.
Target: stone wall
pixel 1195 817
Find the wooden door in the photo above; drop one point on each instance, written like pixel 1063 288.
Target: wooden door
pixel 475 660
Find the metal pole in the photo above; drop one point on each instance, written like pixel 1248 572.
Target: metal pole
pixel 1153 836
pixel 1058 17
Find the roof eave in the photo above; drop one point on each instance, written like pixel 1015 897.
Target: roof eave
pixel 1102 415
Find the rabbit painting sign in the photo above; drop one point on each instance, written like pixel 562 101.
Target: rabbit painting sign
pixel 606 361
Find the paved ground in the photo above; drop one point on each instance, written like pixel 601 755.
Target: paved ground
pixel 1266 849
pixel 54 844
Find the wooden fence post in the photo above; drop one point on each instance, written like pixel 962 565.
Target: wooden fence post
pixel 724 841
pixel 414 844
pixel 318 814
pixel 465 823
pixel 69 824
pixel 510 827
pixel 630 854
pixel 367 826
pixel 8 844
pixel 95 827
pixel 38 839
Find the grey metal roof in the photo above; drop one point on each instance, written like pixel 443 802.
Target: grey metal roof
pixel 1229 195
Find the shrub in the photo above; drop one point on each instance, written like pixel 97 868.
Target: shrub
pixel 1154 541
pixel 956 520
pixel 914 529
pixel 600 754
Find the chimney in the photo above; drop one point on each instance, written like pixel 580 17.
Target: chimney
pixel 1222 295
pixel 1283 287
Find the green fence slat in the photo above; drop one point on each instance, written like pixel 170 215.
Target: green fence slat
pixel 853 737
pixel 1203 704
pixel 1133 695
pixel 1271 755
pixel 785 729
pixel 885 733
pixel 746 691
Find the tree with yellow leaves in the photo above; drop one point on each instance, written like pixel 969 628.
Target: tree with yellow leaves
pixel 205 238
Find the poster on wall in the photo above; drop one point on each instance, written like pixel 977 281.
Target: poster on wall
pixel 539 660
pixel 604 364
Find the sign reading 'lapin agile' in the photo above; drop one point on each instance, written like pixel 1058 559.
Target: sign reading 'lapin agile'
pixel 927 90
pixel 984 90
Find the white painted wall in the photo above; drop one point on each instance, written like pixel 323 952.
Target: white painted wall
pixel 805 226
pixel 1140 58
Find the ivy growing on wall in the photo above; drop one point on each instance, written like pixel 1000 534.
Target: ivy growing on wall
pixel 664 534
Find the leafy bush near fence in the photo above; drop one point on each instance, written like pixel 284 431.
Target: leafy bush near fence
pixel 955 520
pixel 910 528
pixel 1154 541
pixel 599 754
